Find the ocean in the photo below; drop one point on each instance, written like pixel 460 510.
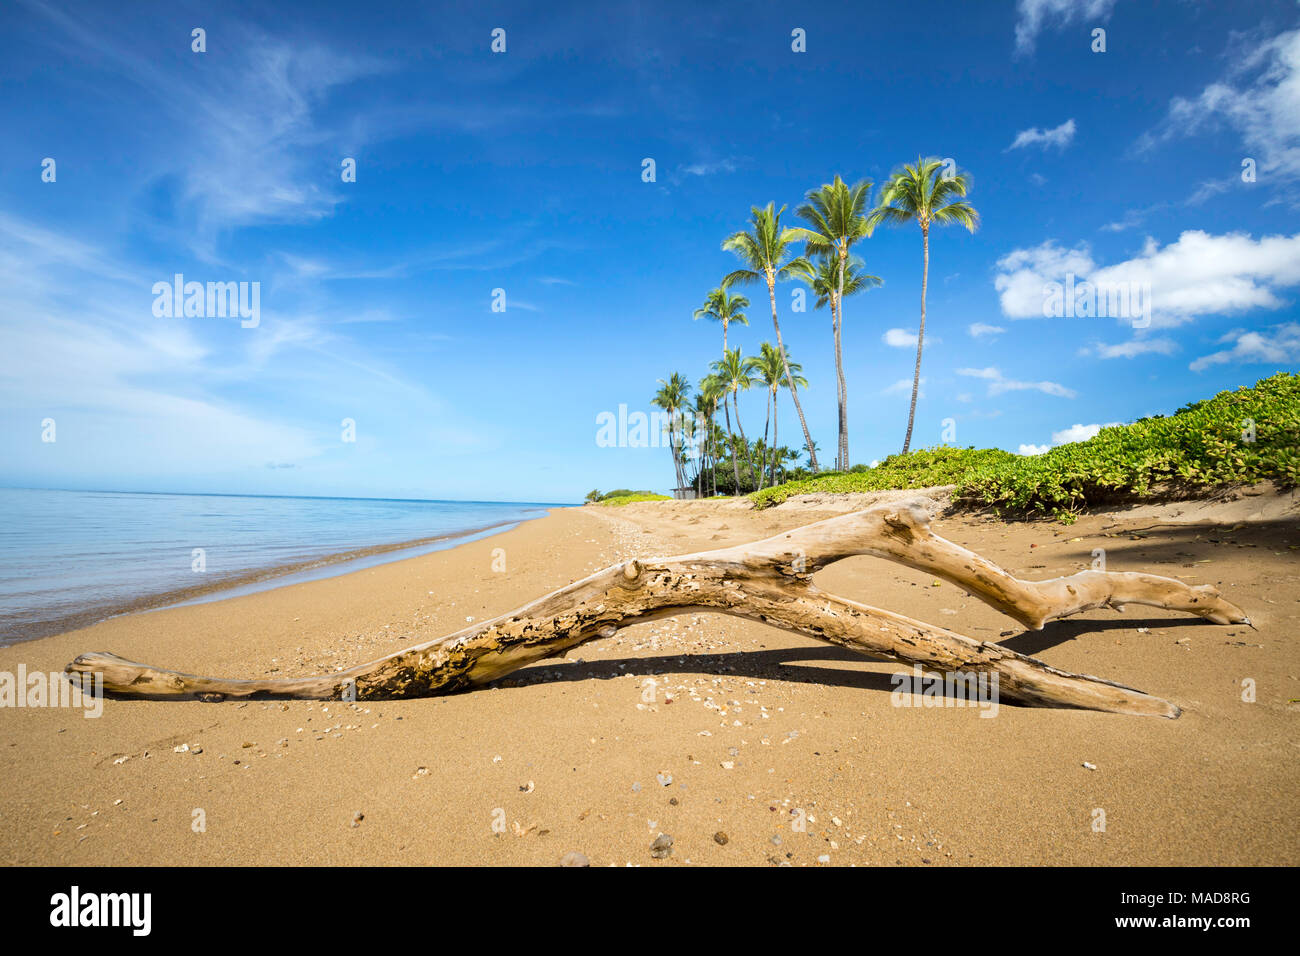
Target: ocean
pixel 70 558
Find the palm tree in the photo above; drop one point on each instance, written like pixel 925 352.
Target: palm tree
pixel 825 282
pixel 672 396
pixel 780 456
pixel 737 375
pixel 924 194
pixel 771 372
pixel 811 451
pixel 765 250
pixel 837 214
pixel 724 308
pixel 706 407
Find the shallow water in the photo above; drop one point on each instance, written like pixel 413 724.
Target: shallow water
pixel 68 558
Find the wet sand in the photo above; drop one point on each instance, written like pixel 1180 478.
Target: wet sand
pixel 786 748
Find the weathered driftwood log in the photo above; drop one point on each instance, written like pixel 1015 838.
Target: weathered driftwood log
pixel 768 581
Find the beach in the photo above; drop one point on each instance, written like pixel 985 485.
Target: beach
pixel 745 744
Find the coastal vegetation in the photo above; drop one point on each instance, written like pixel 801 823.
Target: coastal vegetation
pixel 1246 435
pixel 622 496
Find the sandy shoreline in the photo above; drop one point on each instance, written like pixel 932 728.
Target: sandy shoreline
pixel 572 756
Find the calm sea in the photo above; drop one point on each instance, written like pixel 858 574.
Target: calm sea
pixel 69 558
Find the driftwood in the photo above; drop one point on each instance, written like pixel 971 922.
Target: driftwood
pixel 768 581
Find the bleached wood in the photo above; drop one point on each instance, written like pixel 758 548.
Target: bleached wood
pixel 768 581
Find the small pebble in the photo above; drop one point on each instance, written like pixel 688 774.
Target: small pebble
pixel 662 847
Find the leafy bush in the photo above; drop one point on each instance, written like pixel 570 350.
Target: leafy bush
pixel 1246 435
pixel 918 469
pixel 628 497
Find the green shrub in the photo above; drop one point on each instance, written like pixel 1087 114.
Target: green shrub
pixel 628 497
pixel 1203 445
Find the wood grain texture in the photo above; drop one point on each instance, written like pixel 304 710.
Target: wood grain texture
pixel 768 581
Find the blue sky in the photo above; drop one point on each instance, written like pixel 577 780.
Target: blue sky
pixel 522 171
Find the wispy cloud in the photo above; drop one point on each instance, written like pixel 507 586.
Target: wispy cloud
pixel 1277 345
pixel 1033 15
pixel 1259 97
pixel 999 384
pixel 702 169
pixel 1131 349
pixel 244 131
pixel 904 386
pixel 1058 137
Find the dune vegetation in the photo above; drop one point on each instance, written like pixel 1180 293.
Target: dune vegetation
pixel 1243 436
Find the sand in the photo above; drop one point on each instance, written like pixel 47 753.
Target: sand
pixel 787 748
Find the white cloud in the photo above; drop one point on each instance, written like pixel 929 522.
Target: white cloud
pixel 1033 15
pixel 709 169
pixel 1132 348
pixel 1199 274
pixel 1067 435
pixel 904 385
pixel 1022 274
pixel 978 329
pixel 1056 138
pixel 720 167
pixel 1259 98
pixel 901 339
pixel 1280 344
pixel 999 385
pixel 1079 433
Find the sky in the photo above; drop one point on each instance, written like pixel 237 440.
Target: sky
pixel 1164 166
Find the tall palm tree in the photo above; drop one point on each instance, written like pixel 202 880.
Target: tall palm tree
pixel 771 372
pixel 737 375
pixel 837 214
pixel 925 195
pixel 765 251
pixel 724 308
pixel 672 397
pixel 831 283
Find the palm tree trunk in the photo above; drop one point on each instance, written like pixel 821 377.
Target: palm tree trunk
pixel 776 414
pixel 713 454
pixel 789 378
pixel 843 453
pixel 672 448
pixel 704 463
pixel 735 398
pixel 920 337
pixel 762 471
pixel 735 461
